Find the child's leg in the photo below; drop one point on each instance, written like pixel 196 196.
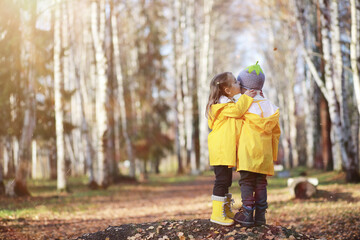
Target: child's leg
pixel 247 187
pixel 223 180
pixel 261 192
pixel 260 200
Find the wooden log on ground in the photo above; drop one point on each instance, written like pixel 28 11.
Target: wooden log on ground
pixel 302 187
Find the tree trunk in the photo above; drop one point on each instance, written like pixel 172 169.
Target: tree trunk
pixel 338 149
pixel 292 119
pixel 203 86
pixel 179 104
pixel 308 92
pixel 354 58
pixel 24 157
pixel 325 135
pixel 132 13
pixel 66 81
pixel 101 94
pixel 59 115
pixel 2 185
pixel 9 160
pixel 85 100
pixel 121 96
pixel 191 79
pixel 109 49
pixel 74 75
pixel 354 45
pixel 34 159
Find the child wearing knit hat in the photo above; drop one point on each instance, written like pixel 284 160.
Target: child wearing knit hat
pixel 223 114
pixel 257 149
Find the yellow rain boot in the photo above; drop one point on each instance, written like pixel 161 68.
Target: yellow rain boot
pixel 218 212
pixel 228 206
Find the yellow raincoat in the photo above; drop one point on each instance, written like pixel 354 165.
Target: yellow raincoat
pixel 258 143
pixel 224 121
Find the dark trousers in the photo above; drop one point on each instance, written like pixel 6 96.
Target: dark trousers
pixel 253 189
pixel 223 180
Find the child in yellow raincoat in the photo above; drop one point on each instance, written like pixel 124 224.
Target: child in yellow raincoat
pixel 257 149
pixel 223 114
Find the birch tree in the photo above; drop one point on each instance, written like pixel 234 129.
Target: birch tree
pixel 86 99
pixel 354 46
pixel 337 136
pixel 178 61
pixel 101 87
pixel 59 115
pixel 203 87
pixel 120 91
pixel 189 85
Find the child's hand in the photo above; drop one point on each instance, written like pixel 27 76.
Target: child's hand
pixel 250 93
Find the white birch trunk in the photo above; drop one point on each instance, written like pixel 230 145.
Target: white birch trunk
pixel 309 119
pixel 6 157
pixel 59 115
pixel 188 85
pixel 212 37
pixel 70 153
pixel 9 160
pixel 285 138
pixel 341 88
pixel 101 115
pixel 336 50
pixel 338 149
pixel 290 74
pixel 307 58
pixel 191 84
pixel 23 158
pixel 75 69
pixel 15 151
pixel 66 73
pixel 354 46
pixel 203 86
pixel 292 122
pixel 179 104
pixel 85 99
pixel 132 62
pixel 354 56
pixel 34 160
pixel 120 90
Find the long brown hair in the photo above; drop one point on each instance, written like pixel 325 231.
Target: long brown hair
pixel 217 89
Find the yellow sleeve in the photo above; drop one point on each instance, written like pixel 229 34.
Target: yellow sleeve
pixel 275 141
pixel 238 109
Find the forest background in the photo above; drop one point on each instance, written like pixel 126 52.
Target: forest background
pixel 106 89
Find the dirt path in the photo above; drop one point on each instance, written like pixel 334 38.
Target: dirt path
pixel 136 204
pixel 323 216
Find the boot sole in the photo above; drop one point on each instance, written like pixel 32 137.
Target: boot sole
pixel 260 223
pixel 221 223
pixel 245 224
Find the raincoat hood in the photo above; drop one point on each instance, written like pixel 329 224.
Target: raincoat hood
pixel 263 124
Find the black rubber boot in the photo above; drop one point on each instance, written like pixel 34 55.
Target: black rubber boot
pixel 260 217
pixel 245 216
